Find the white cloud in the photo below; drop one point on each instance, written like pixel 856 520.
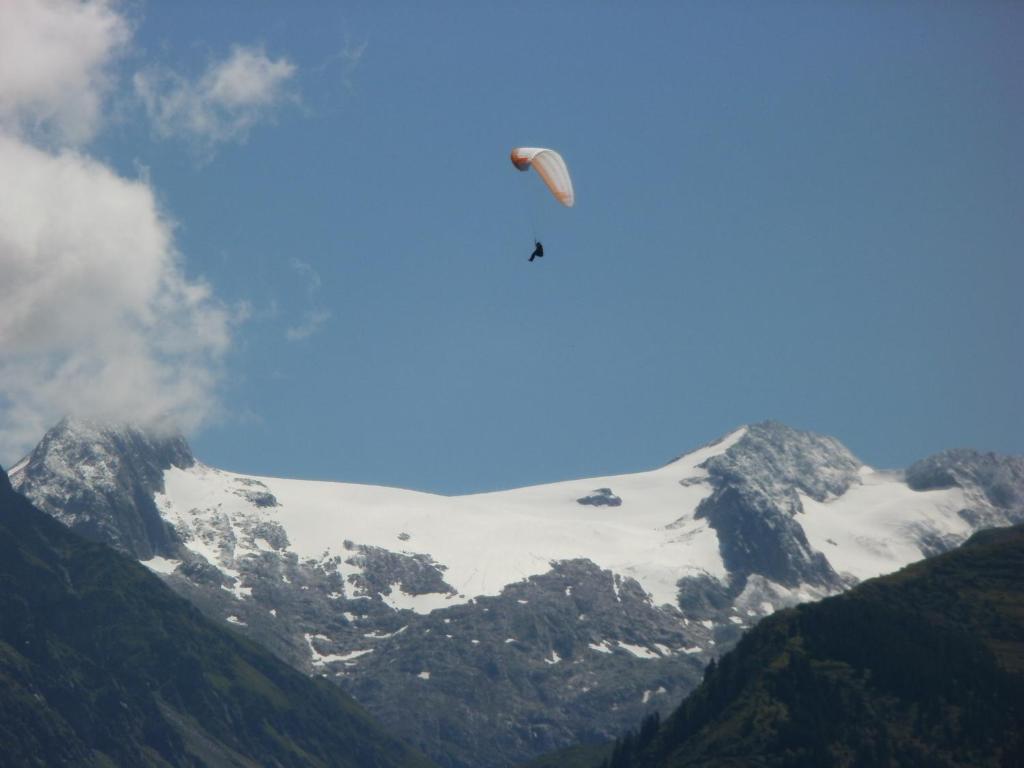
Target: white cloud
pixel 351 57
pixel 311 322
pixel 223 104
pixel 315 316
pixel 54 62
pixel 98 318
pixel 307 273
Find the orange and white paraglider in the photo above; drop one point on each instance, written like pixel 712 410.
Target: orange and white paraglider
pixel 550 166
pixel 553 171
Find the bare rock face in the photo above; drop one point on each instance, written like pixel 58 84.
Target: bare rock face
pixel 384 571
pixel 602 497
pixel 573 651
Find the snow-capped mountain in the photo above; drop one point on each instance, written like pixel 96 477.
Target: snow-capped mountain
pixel 492 627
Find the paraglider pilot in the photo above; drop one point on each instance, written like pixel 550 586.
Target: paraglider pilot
pixel 538 251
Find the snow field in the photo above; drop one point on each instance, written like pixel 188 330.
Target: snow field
pixel 486 541
pixel 873 528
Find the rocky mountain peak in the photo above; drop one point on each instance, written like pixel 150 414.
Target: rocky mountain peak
pixel 82 439
pixel 1000 476
pixel 82 466
pixel 993 483
pixel 758 481
pixel 775 460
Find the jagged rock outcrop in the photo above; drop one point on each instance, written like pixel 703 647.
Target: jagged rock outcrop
pixel 601 497
pixel 383 571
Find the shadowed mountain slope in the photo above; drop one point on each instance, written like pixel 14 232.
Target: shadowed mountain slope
pixel 101 664
pixel 921 668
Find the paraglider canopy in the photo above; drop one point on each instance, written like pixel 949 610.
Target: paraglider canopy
pixel 550 166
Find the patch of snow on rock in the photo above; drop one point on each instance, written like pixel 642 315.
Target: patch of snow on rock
pixel 161 564
pixel 640 651
pixel 648 694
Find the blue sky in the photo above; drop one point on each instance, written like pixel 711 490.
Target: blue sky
pixel 812 212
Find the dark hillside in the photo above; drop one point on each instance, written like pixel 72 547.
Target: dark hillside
pixel 921 668
pixel 101 664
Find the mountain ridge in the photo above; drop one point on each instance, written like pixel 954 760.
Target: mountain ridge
pixel 605 594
